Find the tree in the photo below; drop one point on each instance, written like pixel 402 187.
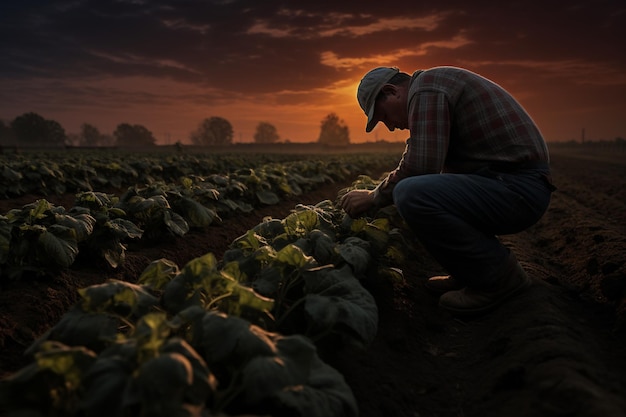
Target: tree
pixel 213 131
pixel 334 132
pixel 127 135
pixel 32 129
pixel 7 137
pixel 266 133
pixel 89 135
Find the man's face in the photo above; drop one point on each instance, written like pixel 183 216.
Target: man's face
pixel 391 108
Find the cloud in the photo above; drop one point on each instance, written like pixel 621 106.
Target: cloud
pixel 331 59
pixel 578 72
pixel 182 24
pixel 132 59
pixel 340 24
pixel 241 55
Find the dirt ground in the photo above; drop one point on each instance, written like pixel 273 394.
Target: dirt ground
pixel 558 349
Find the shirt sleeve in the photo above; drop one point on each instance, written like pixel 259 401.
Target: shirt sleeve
pixel 426 148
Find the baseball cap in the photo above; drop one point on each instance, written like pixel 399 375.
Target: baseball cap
pixel 369 87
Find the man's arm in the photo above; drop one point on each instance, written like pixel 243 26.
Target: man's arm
pixel 426 148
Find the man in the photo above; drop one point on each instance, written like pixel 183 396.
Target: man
pixel 475 166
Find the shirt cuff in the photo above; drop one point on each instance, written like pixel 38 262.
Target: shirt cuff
pixel 383 194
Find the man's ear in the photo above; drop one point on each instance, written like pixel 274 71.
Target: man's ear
pixel 389 89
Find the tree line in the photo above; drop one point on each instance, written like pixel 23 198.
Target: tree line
pixel 33 130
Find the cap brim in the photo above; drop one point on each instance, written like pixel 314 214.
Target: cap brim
pixel 376 79
pixel 371 121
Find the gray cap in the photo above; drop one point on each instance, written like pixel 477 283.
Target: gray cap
pixel 368 90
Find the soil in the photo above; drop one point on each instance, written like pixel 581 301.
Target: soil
pixel 557 349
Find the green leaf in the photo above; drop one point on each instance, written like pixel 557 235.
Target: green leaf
pixel 250 241
pixel 199 267
pixel 228 342
pixel 117 212
pixel 196 214
pixel 69 362
pixel 301 223
pixel 9 175
pixel 242 298
pixel 230 205
pixel 358 225
pixel 232 271
pixel 94 200
pixel 267 197
pixel 245 207
pixel 353 253
pixel 117 297
pixel 124 229
pixel 106 383
pixel 58 245
pixel 158 273
pixel 265 254
pixel 336 301
pixel 324 249
pixel 223 286
pixel 202 274
pixel 39 209
pixel 162 383
pixel 114 255
pixel 151 332
pixel 219 180
pixel 179 294
pixel 204 383
pixel 267 281
pixel 82 224
pixel 296 381
pixel 78 328
pixel 377 233
pixel 294 256
pixel 186 182
pixel 269 228
pixel 175 223
pixel 285 188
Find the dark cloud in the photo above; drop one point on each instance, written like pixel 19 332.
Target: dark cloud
pixel 222 40
pixel 250 47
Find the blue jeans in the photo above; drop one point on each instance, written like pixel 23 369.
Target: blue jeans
pixel 458 217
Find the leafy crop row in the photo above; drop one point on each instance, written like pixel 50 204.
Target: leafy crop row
pixel 40 237
pixel 50 173
pixel 220 338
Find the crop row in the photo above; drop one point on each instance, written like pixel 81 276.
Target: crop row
pixel 238 336
pixel 41 237
pixel 48 173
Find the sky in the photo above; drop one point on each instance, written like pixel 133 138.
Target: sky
pixel 169 64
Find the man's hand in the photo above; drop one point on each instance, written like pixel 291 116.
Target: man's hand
pixel 357 201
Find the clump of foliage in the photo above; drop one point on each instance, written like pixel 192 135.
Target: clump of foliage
pixel 231 337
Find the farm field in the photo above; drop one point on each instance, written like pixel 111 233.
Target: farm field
pixel 557 350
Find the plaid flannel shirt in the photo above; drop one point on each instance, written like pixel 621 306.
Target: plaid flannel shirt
pixel 461 122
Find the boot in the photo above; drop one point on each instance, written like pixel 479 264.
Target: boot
pixel 469 301
pixel 443 283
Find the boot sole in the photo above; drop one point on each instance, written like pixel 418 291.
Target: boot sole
pixel 440 290
pixel 489 307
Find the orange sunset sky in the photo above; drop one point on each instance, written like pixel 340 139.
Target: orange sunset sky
pixel 168 64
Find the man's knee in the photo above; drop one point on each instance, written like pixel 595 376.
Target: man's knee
pixel 402 196
pixel 411 196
